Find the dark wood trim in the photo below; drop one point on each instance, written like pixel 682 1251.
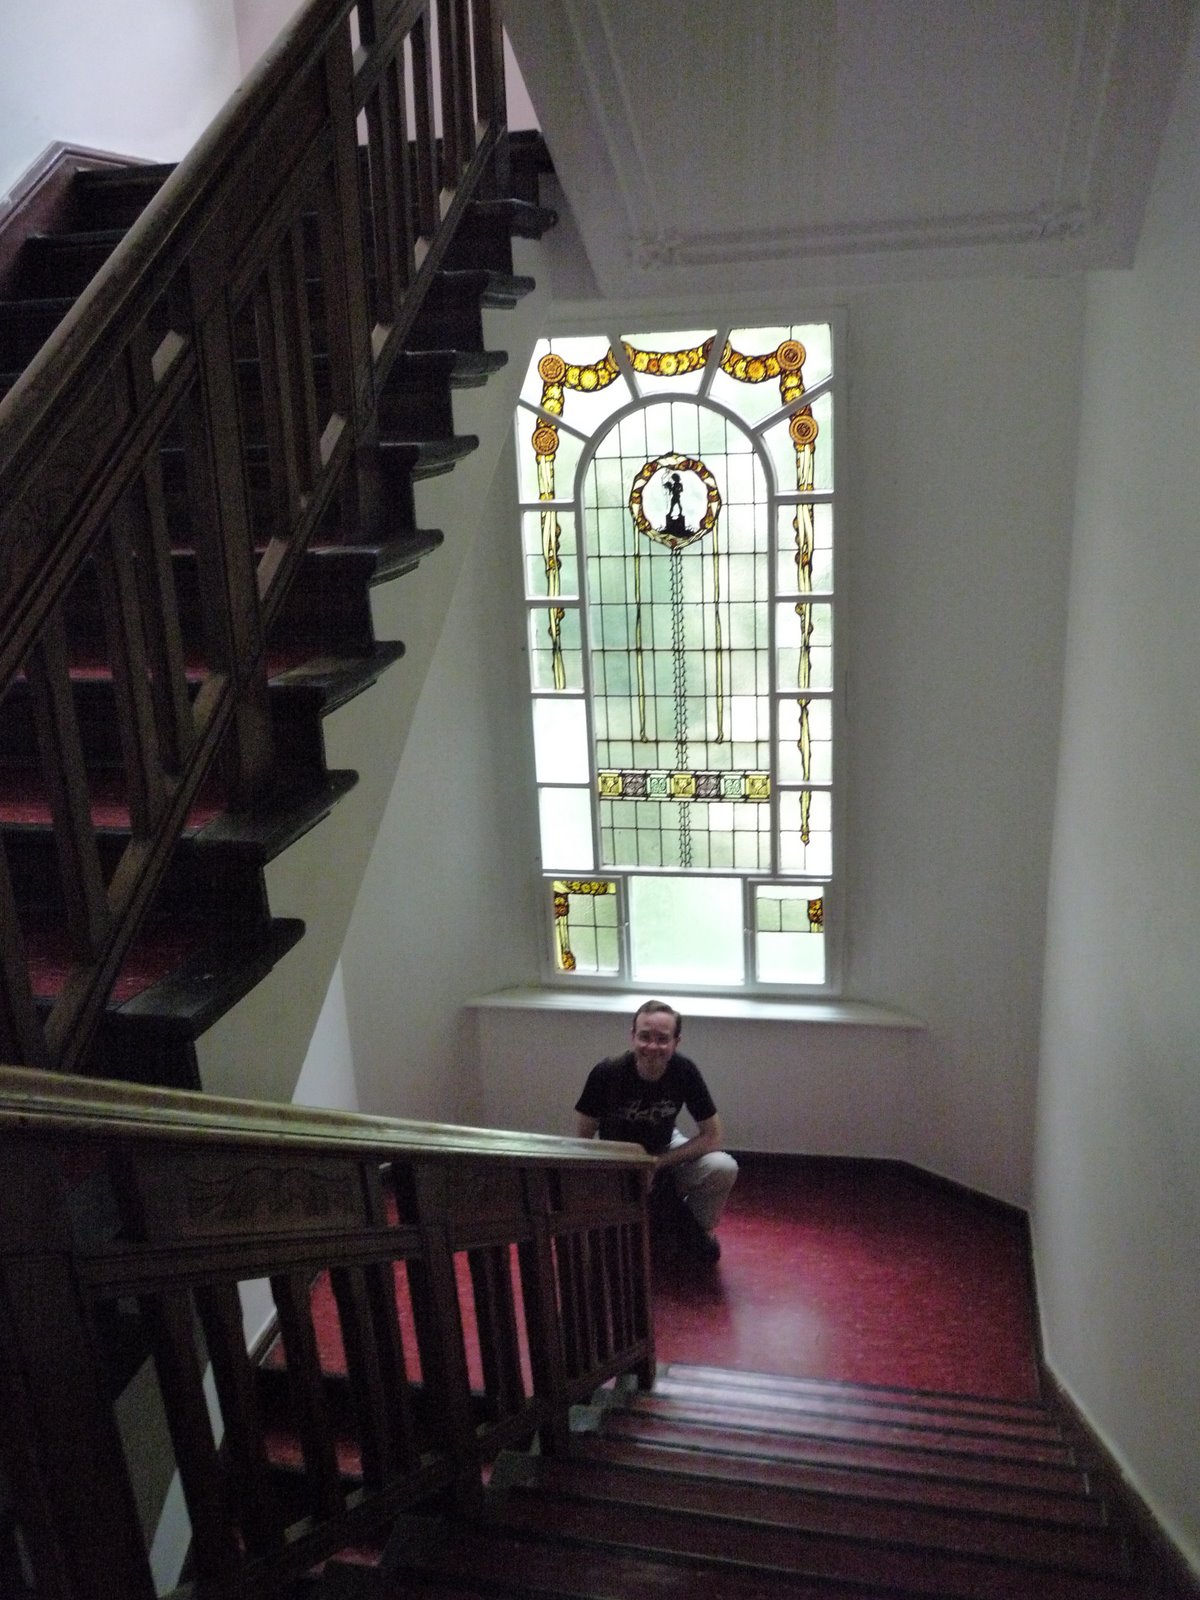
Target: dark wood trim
pixel 38 201
pixel 1158 1563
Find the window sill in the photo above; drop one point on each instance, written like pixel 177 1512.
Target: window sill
pixel 749 1008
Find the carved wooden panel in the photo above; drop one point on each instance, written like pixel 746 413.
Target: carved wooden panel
pixel 192 1195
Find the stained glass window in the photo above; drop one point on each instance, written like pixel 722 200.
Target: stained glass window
pixel 677 535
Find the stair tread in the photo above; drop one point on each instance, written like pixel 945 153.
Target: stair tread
pixel 730 1378
pixel 837 1404
pixel 924 1435
pixel 673 1532
pixel 1077 1509
pixel 513 1564
pixel 836 1514
pixel 752 1438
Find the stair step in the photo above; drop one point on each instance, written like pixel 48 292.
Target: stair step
pixel 946 1530
pixel 25 325
pixel 54 264
pixel 834 1404
pixel 673 1533
pixel 491 1560
pixel 735 1379
pixel 751 1438
pixel 1074 1509
pixel 938 1436
pixel 114 197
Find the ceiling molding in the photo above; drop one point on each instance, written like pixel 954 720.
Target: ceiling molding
pixel 784 141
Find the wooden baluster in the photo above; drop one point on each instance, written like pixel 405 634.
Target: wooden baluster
pixel 279 436
pixel 454 156
pixel 169 1317
pixel 251 1494
pixel 21 1036
pixel 224 556
pixel 600 1299
pixel 490 99
pixel 343 271
pixel 145 791
pixel 464 83
pixel 364 1368
pixel 391 193
pixel 380 1278
pixel 428 181
pixel 64 773
pixel 495 1314
pixel 438 1319
pixel 63 1457
pixel 310 1403
pixel 543 1326
pixel 143 511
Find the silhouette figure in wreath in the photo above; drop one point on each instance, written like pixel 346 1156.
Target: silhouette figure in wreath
pixel 675 523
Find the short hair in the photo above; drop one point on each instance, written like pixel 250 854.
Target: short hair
pixel 648 1006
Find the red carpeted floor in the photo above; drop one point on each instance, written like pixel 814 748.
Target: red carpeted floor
pixel 859 1271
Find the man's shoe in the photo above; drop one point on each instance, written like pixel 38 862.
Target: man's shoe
pixel 706 1245
pixel 697 1240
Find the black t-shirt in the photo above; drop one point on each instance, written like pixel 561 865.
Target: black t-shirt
pixel 630 1108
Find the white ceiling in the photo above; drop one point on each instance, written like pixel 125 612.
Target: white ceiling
pixel 763 144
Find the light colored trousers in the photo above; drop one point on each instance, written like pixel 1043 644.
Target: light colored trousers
pixel 705 1183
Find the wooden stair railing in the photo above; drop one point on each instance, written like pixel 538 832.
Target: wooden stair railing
pixel 535 1247
pixel 299 238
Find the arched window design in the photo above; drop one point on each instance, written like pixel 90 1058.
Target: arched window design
pixel 677 529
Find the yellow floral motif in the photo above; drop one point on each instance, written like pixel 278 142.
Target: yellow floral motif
pixel 683 785
pixel 758 786
pixel 816 915
pixel 592 886
pixel 612 785
pixel 668 363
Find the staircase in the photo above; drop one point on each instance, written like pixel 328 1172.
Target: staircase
pixel 161 730
pixel 746 1486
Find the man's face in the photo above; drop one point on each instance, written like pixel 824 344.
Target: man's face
pixel 654 1041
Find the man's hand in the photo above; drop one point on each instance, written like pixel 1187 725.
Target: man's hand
pixel 708 1136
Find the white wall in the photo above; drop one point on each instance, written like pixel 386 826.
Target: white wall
pixel 135 77
pixel 1117 1199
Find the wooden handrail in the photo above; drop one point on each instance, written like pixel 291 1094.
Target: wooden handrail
pixel 479 1284
pixel 256 249
pixel 87 1108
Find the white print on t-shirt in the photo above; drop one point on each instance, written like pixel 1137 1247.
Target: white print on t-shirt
pixel 660 1111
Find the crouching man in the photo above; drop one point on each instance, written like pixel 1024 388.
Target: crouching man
pixel 636 1097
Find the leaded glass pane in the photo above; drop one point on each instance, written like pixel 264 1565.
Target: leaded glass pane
pixel 789 933
pixel 586 931
pixel 805 739
pixel 565 816
pixel 551 554
pixel 805 545
pixel 805 844
pixel 560 740
pixel 686 930
pixel 555 655
pixel 804 644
